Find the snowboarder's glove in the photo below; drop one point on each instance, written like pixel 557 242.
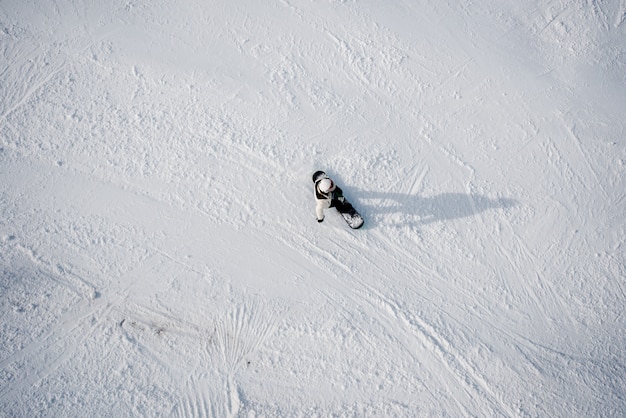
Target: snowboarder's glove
pixel 320 220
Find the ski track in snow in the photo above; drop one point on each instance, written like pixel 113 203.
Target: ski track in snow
pixel 159 254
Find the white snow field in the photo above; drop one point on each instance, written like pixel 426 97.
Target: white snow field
pixel 159 252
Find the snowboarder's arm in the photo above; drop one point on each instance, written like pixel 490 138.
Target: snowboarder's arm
pixel 319 209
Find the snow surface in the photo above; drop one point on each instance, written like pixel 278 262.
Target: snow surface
pixel 159 252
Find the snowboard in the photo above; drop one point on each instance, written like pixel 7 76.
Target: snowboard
pixel 352 217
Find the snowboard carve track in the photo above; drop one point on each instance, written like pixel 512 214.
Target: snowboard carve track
pixel 61 274
pixel 418 333
pixel 465 374
pixel 620 16
pixel 419 340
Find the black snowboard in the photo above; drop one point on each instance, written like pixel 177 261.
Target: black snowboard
pixel 345 208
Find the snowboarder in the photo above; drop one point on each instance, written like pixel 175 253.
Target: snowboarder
pixel 329 195
pixel 326 194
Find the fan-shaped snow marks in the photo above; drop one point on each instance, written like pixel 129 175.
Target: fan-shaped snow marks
pixel 205 396
pixel 195 402
pixel 244 331
pixel 237 337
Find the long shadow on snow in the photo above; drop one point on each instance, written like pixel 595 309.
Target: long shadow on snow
pixel 425 210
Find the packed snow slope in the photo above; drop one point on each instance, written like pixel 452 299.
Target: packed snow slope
pixel 159 253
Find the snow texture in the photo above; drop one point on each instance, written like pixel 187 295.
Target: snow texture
pixel 159 253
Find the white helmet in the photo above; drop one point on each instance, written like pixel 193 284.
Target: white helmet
pixel 326 185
